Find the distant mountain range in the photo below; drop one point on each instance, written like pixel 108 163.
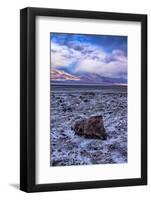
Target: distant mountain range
pixel 62 77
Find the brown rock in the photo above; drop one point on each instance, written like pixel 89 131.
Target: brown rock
pixel 92 127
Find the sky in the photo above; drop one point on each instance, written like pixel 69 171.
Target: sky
pixel 80 54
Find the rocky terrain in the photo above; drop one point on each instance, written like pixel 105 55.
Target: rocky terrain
pixel 71 104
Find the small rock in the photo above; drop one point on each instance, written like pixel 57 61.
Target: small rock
pixel 112 147
pixel 92 127
pixel 81 97
pixel 69 109
pixel 85 100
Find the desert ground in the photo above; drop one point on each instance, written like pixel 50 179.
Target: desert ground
pixel 69 104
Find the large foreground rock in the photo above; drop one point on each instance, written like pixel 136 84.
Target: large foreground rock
pixel 92 127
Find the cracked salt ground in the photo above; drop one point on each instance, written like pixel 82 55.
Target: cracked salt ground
pixel 69 106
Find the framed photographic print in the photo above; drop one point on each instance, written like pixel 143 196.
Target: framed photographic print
pixel 83 99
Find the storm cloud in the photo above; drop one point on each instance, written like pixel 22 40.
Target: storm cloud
pixel 84 55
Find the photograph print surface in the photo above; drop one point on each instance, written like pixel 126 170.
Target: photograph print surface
pixel 88 99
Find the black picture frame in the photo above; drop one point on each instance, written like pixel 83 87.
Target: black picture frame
pixel 28 99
